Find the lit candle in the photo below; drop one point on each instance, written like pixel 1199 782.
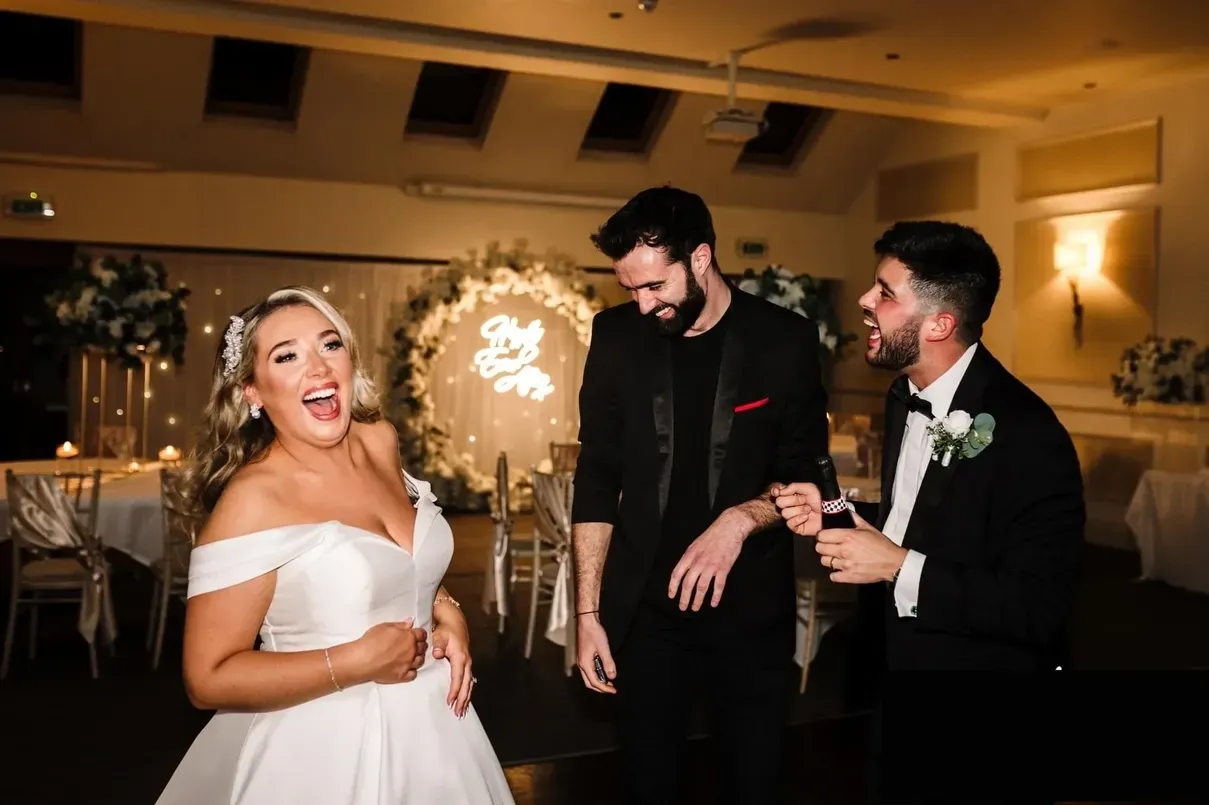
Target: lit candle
pixel 170 454
pixel 67 450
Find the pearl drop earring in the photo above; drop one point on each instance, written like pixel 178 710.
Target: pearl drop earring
pixel 254 410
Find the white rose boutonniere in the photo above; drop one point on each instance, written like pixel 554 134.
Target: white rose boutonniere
pixel 961 435
pixel 958 423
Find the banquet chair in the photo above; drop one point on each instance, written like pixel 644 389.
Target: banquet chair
pixel 56 560
pixel 499 576
pixel 520 548
pixel 171 570
pixel 554 583
pixel 564 457
pixel 118 441
pixel 83 489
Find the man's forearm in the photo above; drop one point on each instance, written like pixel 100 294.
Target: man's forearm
pixel 590 545
pixel 756 515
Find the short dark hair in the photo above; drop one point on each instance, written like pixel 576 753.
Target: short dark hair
pixel 952 266
pixel 666 218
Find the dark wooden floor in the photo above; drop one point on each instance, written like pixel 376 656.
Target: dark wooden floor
pixel 823 768
pixel 117 739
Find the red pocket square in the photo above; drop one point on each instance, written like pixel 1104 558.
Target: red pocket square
pixel 749 406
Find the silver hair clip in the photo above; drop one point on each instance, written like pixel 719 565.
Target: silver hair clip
pixel 234 348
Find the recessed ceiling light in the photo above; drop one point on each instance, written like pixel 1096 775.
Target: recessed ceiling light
pixel 892 57
pixel 615 15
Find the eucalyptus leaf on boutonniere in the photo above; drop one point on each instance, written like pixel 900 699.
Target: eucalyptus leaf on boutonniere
pixel 961 435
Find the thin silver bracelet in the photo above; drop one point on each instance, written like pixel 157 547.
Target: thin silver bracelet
pixel 331 672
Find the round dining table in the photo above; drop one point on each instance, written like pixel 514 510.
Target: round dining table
pixel 129 514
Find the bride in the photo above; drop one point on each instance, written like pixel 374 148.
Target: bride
pixel 315 540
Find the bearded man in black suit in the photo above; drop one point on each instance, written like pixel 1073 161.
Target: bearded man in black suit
pixel 696 399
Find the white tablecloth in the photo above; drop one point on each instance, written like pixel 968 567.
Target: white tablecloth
pixel 1169 517
pixel 128 511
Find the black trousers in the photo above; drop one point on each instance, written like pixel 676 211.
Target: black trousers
pixel 664 668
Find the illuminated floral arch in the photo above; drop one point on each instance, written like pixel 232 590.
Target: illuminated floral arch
pixel 419 329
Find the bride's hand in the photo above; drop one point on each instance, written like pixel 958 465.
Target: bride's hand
pixel 451 642
pixel 389 652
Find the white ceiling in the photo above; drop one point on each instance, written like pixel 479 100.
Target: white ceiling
pixel 1002 63
pixel 1030 51
pixel 992 63
pixel 144 94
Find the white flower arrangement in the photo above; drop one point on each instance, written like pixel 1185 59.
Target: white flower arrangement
pixel 1168 371
pixel 419 327
pixel 960 435
pixel 804 295
pixel 121 310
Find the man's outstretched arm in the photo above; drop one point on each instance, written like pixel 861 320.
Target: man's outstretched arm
pixel 595 505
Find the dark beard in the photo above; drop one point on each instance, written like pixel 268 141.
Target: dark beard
pixel 686 312
pixel 900 349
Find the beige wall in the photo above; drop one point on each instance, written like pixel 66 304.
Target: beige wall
pixel 1108 436
pixel 243 212
pixel 1181 196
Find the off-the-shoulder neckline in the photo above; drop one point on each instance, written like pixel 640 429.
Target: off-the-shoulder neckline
pixel 312 526
pixel 423 491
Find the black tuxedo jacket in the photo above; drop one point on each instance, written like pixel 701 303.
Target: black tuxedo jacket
pixel 769 423
pixel 1002 534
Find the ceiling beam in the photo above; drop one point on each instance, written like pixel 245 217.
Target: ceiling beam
pixel 344 32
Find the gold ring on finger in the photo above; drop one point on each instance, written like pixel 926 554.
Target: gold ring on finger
pixel 831 564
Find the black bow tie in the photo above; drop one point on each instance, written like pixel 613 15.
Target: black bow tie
pixel 914 402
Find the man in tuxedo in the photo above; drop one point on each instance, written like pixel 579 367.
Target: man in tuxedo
pixel 696 398
pixel 969 564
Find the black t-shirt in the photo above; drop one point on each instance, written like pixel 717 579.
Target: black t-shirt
pixel 696 363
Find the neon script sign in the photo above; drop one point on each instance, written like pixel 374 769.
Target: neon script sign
pixel 510 355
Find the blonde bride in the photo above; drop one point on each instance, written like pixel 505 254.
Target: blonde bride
pixel 315 540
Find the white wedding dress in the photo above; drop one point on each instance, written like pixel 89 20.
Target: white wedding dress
pixel 369 744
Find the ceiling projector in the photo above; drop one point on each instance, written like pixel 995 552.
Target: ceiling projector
pixel 733 126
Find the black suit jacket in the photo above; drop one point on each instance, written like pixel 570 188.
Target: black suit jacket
pixel 1002 534
pixel 770 371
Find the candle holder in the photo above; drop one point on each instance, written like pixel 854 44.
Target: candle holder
pixel 83 434
pixel 170 456
pixel 128 411
pixel 64 453
pixel 144 446
pixel 104 384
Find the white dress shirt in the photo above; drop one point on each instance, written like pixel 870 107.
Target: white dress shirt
pixel 913 458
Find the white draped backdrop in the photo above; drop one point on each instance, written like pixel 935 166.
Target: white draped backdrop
pixel 365 292
pixel 520 417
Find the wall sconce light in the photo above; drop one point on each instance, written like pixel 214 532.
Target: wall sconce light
pixel 1078 255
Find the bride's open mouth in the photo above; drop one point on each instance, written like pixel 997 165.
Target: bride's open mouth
pixel 323 402
pixel 875 333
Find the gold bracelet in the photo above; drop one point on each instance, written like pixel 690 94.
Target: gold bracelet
pixel 448 598
pixel 330 671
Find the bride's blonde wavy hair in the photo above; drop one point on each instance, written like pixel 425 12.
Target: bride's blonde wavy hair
pixel 230 437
